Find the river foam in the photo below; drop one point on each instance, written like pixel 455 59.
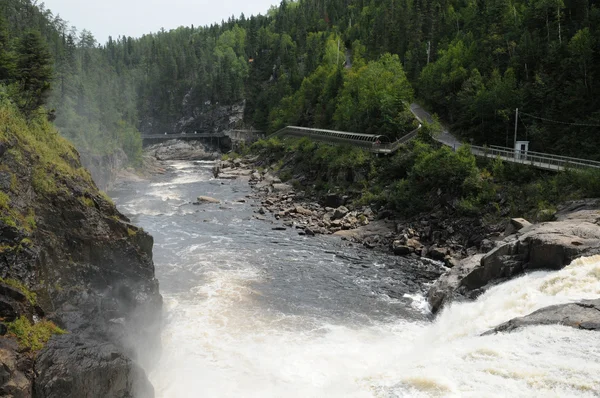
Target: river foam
pixel 250 312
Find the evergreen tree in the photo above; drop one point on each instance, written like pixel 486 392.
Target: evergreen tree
pixel 34 71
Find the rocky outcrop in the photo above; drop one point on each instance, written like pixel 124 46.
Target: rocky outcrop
pixel 183 150
pixel 105 168
pixel 73 260
pixel 551 245
pixel 196 115
pixel 75 366
pixel 584 315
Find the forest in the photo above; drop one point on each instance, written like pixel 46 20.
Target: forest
pixel 354 65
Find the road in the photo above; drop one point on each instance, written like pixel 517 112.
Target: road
pixel 444 137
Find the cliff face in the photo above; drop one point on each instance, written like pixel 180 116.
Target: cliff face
pixel 68 256
pixel 194 117
pixel 104 168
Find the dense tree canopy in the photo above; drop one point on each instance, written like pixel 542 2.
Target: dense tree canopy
pixel 350 64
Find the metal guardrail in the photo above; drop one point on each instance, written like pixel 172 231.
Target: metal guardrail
pixel 394 146
pixel 537 159
pixel 370 142
pixel 174 136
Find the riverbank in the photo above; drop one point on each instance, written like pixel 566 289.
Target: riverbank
pixel 432 235
pixel 473 253
pixel 500 251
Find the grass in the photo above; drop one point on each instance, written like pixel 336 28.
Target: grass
pixel 31 296
pixel 33 336
pixel 88 202
pixel 4 201
pixel 39 138
pixel 107 198
pixel 131 232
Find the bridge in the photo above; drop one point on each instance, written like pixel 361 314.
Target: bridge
pixel 234 135
pixel 381 145
pixel 371 142
pixel 163 137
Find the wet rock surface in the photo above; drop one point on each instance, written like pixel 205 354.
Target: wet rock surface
pixel 584 315
pixel 551 245
pixel 76 366
pixel 92 274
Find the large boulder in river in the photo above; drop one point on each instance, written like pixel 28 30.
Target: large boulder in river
pixel 584 315
pixel 550 245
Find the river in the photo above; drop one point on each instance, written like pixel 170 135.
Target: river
pixel 254 312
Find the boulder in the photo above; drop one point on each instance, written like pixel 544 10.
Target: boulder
pixel 340 212
pixel 550 245
pixel 519 223
pixel 333 200
pixel 437 253
pixel 207 199
pixel 309 232
pixel 401 250
pixel 583 315
pixel 303 211
pixel 282 188
pixel 448 287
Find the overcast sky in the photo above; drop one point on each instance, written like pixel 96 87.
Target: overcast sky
pixel 136 17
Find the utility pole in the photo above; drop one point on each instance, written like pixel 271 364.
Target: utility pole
pixel 516 127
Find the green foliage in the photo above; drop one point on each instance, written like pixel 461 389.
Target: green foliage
pixel 230 156
pixel 4 201
pixel 34 71
pixel 33 336
pixel 31 296
pixel 30 223
pixel 88 202
pixel 375 98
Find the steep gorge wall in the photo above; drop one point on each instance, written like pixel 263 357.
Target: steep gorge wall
pixel 104 168
pixel 68 256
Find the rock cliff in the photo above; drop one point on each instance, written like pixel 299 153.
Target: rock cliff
pixel 74 271
pixel 550 245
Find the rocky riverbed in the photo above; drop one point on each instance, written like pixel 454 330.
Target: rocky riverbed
pixel 477 255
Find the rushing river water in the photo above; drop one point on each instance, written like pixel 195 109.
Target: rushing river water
pixel 252 312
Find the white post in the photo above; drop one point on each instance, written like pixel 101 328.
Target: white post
pixel 516 127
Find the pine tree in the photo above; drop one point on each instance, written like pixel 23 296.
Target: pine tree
pixel 34 66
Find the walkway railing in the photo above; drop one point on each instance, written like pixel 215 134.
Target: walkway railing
pixel 540 160
pixel 370 142
pixel 174 136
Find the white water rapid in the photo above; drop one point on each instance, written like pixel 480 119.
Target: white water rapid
pixel 250 313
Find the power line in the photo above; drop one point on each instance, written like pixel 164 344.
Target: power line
pixel 559 122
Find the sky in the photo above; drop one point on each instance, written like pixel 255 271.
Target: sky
pixel 136 17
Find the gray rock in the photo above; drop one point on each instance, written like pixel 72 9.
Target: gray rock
pixel 207 199
pixel 303 211
pixel 542 246
pixel 340 212
pixel 401 250
pixel 448 287
pixel 282 188
pixel 584 315
pixel 437 253
pixel 76 367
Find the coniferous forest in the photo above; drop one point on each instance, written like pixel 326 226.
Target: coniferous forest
pixel 353 65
